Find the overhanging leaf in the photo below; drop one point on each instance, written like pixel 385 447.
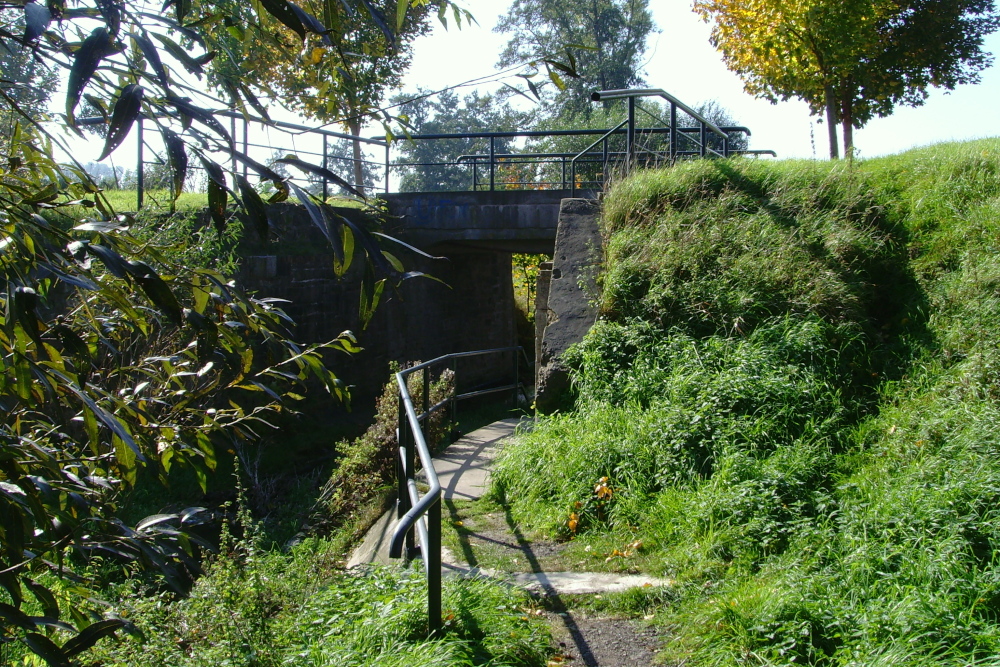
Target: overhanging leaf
pixel 85 62
pixel 254 207
pixel 320 171
pixel 157 290
pixel 282 10
pixel 177 157
pixel 91 635
pixel 152 57
pixel 381 22
pixel 44 647
pixel 126 110
pixel 36 20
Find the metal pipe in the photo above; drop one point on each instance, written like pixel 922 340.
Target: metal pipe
pixel 673 133
pixel 326 183
pixel 492 163
pixel 140 181
pixel 630 134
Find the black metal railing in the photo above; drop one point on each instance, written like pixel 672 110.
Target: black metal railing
pixel 682 140
pixel 422 513
pixel 490 160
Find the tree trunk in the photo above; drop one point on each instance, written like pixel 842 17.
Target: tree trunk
pixel 847 118
pixel 831 121
pixel 359 172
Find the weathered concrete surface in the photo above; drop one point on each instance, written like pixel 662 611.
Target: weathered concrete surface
pixel 511 221
pixel 578 583
pixel 375 547
pixel 463 467
pixel 571 307
pixel 463 471
pixel 420 320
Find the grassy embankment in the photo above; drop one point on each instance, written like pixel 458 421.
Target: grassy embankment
pixel 792 399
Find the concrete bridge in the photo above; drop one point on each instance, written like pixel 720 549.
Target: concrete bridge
pixel 498 221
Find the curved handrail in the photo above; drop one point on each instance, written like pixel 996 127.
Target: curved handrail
pixel 409 499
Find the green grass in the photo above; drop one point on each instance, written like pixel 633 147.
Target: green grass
pixel 262 608
pixel 792 395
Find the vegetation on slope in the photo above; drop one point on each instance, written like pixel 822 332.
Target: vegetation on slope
pixel 789 407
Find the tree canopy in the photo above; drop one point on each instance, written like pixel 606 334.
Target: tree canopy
pixel 117 353
pixel 852 59
pixel 606 40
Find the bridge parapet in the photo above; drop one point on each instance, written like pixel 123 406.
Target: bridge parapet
pixel 510 221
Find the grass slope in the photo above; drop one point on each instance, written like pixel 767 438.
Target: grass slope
pixel 789 406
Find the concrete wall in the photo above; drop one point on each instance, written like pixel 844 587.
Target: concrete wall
pixel 420 320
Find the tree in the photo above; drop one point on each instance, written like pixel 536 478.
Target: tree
pixel 341 83
pixel 25 79
pixel 851 59
pixel 115 355
pixel 606 40
pixel 434 166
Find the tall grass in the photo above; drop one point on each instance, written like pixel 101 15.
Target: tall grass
pixel 792 396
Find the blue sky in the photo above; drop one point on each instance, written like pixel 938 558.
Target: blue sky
pixel 682 61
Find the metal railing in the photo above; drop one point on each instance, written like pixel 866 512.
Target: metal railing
pixel 422 514
pixel 490 158
pixel 696 138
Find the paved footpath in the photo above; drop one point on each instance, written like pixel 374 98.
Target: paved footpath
pixel 579 638
pixel 463 470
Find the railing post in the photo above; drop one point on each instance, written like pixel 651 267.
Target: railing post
pixel 140 181
pixel 427 391
pixel 454 393
pixel 725 146
pixel 630 133
pixel 673 132
pixel 432 561
pixel 387 167
pixel 516 377
pixel 232 133
pixel 493 169
pixel 326 160
pixel 704 139
pixel 563 172
pixel 604 178
pixel 404 468
pixel 246 143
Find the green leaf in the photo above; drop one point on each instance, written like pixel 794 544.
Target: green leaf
pixel 157 291
pixel 91 635
pixel 218 198
pixel 254 207
pixel 379 18
pixel 25 310
pixel 340 267
pixel 177 157
pixel 45 598
pixel 85 62
pixel 36 20
pixel 44 648
pixel 320 171
pixel 401 6
pixel 152 56
pixel 126 110
pixel 281 10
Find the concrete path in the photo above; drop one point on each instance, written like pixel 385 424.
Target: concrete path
pixel 463 471
pixel 463 468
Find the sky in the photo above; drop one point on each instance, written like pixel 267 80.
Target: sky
pixel 682 62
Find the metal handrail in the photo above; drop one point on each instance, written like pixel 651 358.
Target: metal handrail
pixel 673 130
pixel 587 150
pixel 410 506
